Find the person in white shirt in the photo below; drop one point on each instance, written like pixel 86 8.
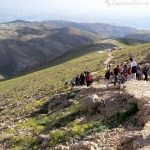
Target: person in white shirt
pixel 133 68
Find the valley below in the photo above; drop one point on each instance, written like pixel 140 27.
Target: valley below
pixel 25 45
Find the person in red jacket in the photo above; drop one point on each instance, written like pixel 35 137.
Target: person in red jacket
pixel 88 79
pixel 128 74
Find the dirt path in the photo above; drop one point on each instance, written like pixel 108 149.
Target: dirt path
pixel 108 60
pixel 141 91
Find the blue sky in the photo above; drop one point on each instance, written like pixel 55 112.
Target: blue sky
pixel 76 10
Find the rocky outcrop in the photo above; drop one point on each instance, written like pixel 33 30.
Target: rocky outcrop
pixel 119 138
pixel 140 90
pixel 91 103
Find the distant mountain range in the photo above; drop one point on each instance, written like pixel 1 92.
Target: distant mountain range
pixel 140 21
pixel 25 45
pixel 140 35
pixel 101 29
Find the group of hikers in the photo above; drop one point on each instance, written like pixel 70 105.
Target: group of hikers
pixel 117 76
pixel 126 72
pixel 82 79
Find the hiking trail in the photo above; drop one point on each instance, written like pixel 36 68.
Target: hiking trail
pixel 109 59
pixel 106 62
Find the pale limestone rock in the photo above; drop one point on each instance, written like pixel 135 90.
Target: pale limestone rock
pixel 91 103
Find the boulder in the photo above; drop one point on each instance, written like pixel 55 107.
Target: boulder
pixel 91 103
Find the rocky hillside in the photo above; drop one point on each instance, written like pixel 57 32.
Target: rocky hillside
pixel 94 118
pixel 25 47
pixel 38 112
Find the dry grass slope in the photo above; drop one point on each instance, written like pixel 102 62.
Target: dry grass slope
pixel 19 96
pixel 141 53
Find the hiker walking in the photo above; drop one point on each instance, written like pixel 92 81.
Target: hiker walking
pixel 85 73
pixel 88 79
pixel 146 71
pixel 82 81
pixel 133 68
pixel 124 73
pixel 78 80
pixel 139 72
pixel 107 77
pixel 128 74
pixel 117 70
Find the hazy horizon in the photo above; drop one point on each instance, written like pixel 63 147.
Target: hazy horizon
pixel 134 13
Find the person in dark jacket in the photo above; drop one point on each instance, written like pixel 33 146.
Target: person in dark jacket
pixel 82 81
pixel 139 73
pixel 78 80
pixel 145 72
pixel 117 70
pixel 107 77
